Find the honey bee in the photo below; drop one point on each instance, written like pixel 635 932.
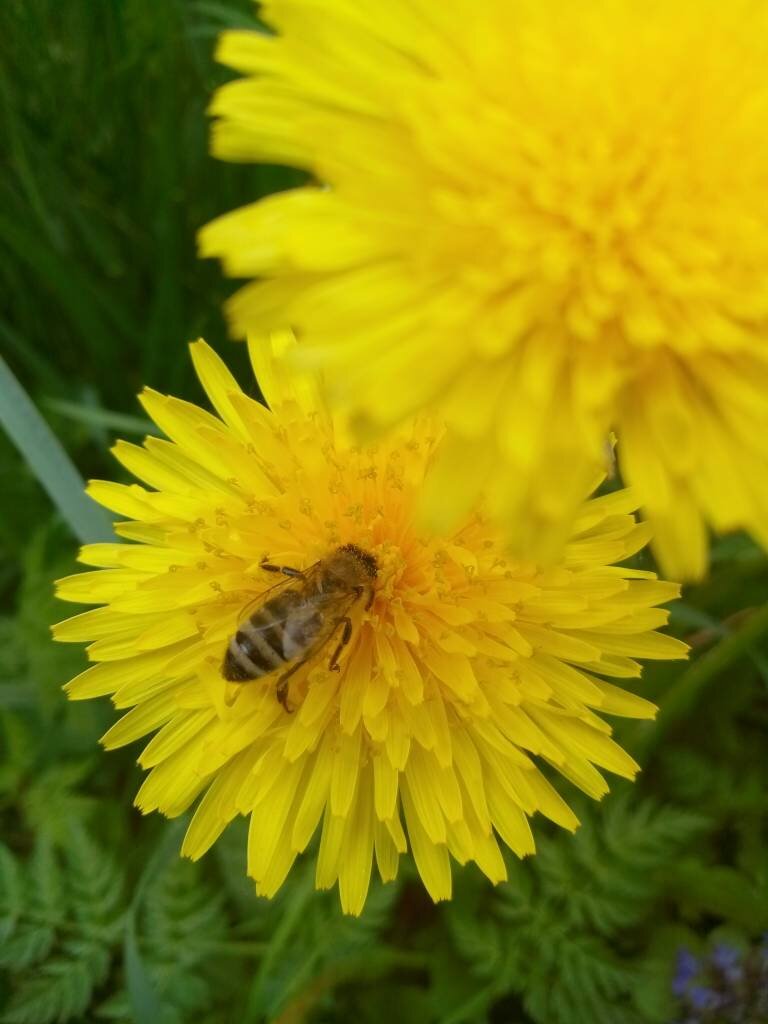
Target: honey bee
pixel 294 622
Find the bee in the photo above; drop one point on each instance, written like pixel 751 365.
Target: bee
pixel 300 616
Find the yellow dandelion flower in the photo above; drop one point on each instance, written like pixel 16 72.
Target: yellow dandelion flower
pixel 461 672
pixel 547 219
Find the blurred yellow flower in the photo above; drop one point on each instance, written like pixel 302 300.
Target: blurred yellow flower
pixel 548 220
pixel 463 671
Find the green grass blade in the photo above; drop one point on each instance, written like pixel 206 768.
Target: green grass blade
pixel 48 461
pixel 91 416
pixel 95 316
pixel 223 16
pixel 145 1003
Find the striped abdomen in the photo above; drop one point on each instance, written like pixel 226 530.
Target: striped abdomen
pixel 279 632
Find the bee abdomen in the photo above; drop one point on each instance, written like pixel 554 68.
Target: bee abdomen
pixel 255 650
pixel 281 631
pixel 235 668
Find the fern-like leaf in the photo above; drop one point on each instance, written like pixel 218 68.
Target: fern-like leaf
pixel 64 929
pixel 33 937
pixel 551 933
pixel 59 991
pixel 11 894
pixel 181 922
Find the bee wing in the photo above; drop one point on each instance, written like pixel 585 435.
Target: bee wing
pixel 335 613
pixel 283 583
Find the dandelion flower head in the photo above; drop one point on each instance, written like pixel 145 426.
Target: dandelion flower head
pixel 548 219
pixel 466 672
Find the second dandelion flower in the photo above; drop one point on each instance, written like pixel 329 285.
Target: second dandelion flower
pixel 545 220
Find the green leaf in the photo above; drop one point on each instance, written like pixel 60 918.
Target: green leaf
pixel 48 461
pixel 10 894
pixel 53 803
pixel 105 419
pixel 146 1007
pixel 30 944
pixel 58 991
pixel 722 891
pixel 96 886
pixel 65 927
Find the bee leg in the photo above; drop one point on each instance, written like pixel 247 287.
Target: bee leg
pixel 231 698
pixel 282 686
pixel 282 693
pixel 286 570
pixel 346 635
pixel 359 591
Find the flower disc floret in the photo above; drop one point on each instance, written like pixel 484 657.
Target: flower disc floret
pixel 467 671
pixel 546 219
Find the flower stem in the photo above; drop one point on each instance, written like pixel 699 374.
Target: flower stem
pixel 693 684
pixel 368 967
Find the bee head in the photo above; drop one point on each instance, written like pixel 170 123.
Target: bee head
pixel 365 558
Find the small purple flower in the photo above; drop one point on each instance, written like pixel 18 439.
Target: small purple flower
pixel 688 967
pixel 702 998
pixel 726 987
pixel 725 957
pixel 727 960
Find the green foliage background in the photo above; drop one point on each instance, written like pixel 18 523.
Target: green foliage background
pixel 105 180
